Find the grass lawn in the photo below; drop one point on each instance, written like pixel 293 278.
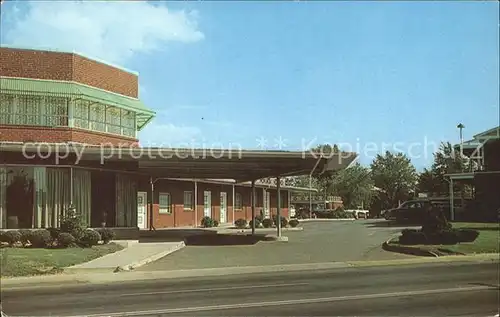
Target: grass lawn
pixel 488 240
pixel 27 261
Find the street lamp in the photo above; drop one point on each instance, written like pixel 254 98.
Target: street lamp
pixel 461 127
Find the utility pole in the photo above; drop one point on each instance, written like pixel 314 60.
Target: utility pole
pixel 461 127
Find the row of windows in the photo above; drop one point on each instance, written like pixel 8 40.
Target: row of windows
pixel 165 202
pixel 53 111
pixel 99 117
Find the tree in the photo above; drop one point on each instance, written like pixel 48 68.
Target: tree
pixel 355 186
pixel 447 160
pixel 395 175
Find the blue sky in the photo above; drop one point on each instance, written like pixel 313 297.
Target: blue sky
pixel 361 74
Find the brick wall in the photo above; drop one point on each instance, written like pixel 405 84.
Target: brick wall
pixel 67 66
pixel 180 217
pixel 59 135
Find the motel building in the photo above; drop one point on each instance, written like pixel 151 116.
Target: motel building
pixel 68 137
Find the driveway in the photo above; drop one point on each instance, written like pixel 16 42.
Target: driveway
pixel 318 242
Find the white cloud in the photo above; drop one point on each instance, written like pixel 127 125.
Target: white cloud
pixel 109 30
pixel 169 135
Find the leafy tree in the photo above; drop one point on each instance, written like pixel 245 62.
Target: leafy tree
pixel 447 160
pixel 355 186
pixel 395 175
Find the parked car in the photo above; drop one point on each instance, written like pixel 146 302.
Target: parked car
pixel 412 210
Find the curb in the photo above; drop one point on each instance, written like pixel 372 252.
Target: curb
pixel 259 230
pixel 72 280
pixel 150 259
pixel 387 246
pixel 325 219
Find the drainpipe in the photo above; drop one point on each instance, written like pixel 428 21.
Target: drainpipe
pixel 151 202
pixel 195 204
pixel 310 184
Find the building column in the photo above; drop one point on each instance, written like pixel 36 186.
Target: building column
pixel 195 205
pixel 278 216
pixel 234 194
pixel 253 207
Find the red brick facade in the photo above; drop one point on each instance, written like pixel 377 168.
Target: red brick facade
pixel 9 133
pixel 181 218
pixel 36 64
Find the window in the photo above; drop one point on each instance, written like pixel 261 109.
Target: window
pixel 28 110
pixel 56 112
pixel 6 109
pixel 238 203
pixel 164 202
pixel 113 118
pixel 188 200
pixel 81 114
pixel 98 117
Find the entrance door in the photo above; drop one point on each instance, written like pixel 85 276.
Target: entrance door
pixel 142 198
pixel 223 207
pixel 267 204
pixel 207 203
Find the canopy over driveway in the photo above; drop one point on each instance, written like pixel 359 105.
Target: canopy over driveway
pixel 243 165
pixel 240 165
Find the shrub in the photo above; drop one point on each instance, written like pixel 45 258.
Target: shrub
pixel 11 237
pixel 207 222
pixel 216 223
pixel 40 238
pixel 89 238
pixel 72 223
pixel 284 221
pixel 412 238
pixel 267 223
pixel 293 223
pixel 258 223
pixel 467 235
pixel 240 223
pixel 54 233
pixel 25 236
pixel 66 240
pixel 106 234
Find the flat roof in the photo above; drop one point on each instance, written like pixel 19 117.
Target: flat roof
pixel 258 184
pixel 240 165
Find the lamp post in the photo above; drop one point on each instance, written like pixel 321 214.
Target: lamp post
pixel 461 127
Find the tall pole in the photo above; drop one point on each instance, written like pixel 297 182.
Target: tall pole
pixel 278 216
pixel 461 127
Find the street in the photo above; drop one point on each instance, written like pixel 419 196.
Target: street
pixel 424 289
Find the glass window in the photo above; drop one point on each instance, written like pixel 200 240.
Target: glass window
pixel 81 114
pixel 164 202
pixel 128 123
pixel 6 108
pixel 113 118
pixel 188 200
pixel 56 111
pixel 97 117
pixel 28 110
pixel 238 203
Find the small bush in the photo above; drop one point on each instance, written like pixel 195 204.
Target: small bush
pixel 66 240
pixel 258 223
pixel 106 234
pixel 207 222
pixel 54 233
pixel 284 221
pixel 11 237
pixel 40 238
pixel 293 223
pixel 467 235
pixel 240 223
pixel 216 223
pixel 89 238
pixel 412 238
pixel 25 236
pixel 267 223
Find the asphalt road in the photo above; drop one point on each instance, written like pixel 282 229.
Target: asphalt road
pixel 319 242
pixel 417 290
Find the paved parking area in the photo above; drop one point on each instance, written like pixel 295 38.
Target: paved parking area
pixel 318 242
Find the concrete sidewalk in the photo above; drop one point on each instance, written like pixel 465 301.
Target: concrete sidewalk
pixel 133 256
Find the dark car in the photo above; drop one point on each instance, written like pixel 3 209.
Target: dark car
pixel 412 210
